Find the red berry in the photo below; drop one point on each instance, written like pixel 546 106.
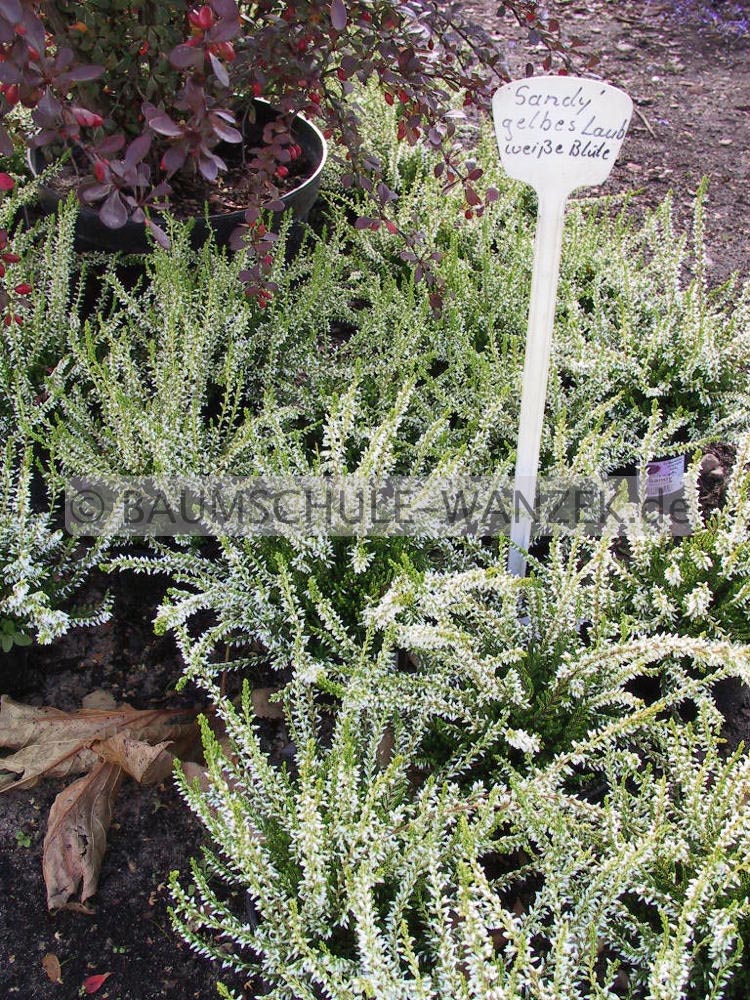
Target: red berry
pixel 282 171
pixel 7 319
pixel 100 170
pixel 11 258
pixel 11 94
pixel 315 97
pixel 341 74
pixel 144 48
pixel 469 214
pixel 6 182
pixel 23 289
pixel 257 90
pixel 388 98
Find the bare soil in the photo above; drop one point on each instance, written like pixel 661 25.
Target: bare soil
pixel 691 87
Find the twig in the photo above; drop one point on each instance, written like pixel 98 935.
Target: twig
pixel 646 122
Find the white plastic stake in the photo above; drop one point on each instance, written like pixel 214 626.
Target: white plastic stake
pixel 556 133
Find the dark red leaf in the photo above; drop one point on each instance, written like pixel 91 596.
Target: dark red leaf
pixel 220 71
pixel 164 125
pixel 209 167
pixel 6 144
pixel 225 132
pixel 113 212
pixel 94 983
pixel 81 74
pixel 472 197
pixel 225 8
pixel 174 159
pixel 186 57
pixel 11 10
pixel 137 149
pixel 339 16
pixel 111 144
pixel 158 233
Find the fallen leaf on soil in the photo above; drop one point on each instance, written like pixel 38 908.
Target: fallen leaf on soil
pixel 76 836
pixel 94 983
pixel 148 765
pixel 264 708
pixel 56 744
pixel 99 699
pixel 103 743
pixel 51 965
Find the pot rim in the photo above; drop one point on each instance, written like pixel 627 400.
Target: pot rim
pixel 215 216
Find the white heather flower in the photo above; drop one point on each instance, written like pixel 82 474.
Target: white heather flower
pixel 673 575
pixel 522 740
pixel 662 604
pixel 701 559
pixel 697 601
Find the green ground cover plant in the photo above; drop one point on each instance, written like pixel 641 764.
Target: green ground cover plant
pixel 479 799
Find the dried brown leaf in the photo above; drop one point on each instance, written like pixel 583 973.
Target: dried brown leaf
pixel 76 836
pixel 57 744
pixel 51 965
pixel 191 770
pixel 147 764
pixel 263 707
pixel 103 700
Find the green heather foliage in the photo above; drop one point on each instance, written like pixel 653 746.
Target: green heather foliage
pixel 41 568
pixel 430 844
pixel 184 374
pixel 702 585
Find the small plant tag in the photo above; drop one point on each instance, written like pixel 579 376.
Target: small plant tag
pixel 665 477
pixel 556 133
pixel 559 133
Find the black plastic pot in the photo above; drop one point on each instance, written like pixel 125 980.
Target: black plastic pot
pixel 92 234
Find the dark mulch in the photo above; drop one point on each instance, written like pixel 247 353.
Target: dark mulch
pixel 152 832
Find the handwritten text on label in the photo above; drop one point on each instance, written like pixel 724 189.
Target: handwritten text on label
pixel 573 131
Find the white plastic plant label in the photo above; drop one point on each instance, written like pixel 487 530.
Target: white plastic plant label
pixel 665 477
pixel 556 133
pixel 559 133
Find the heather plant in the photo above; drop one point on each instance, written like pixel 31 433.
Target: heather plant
pixel 42 567
pixel 641 341
pixel 699 586
pixel 384 862
pixel 645 338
